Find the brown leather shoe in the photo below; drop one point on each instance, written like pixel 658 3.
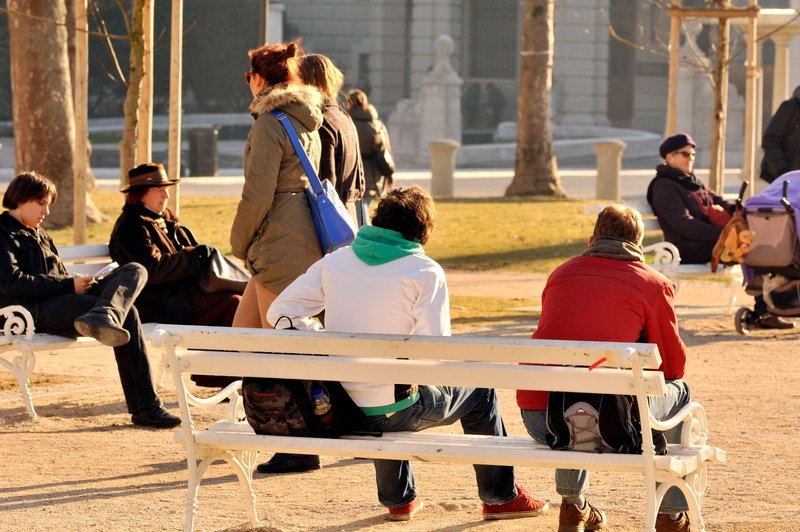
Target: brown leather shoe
pixel 769 321
pixel 574 519
pixel 664 523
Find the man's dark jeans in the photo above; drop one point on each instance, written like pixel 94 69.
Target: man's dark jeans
pixel 114 295
pixel 479 413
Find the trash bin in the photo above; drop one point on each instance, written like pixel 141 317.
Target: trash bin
pixel 203 155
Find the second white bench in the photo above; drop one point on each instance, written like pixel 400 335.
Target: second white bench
pixel 20 342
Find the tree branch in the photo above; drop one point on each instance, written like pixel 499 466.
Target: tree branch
pixel 59 23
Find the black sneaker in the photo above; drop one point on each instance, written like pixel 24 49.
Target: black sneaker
pixel 159 419
pixel 289 463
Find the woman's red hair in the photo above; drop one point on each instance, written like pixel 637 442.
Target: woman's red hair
pixel 277 63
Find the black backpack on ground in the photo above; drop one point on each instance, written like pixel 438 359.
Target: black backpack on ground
pixel 596 423
pixel 284 407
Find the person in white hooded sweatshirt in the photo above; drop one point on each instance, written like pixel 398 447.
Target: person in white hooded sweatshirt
pixel 385 284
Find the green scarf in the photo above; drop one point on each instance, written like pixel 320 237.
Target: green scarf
pixel 610 247
pixel 376 245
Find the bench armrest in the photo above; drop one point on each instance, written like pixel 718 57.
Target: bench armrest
pixel 667 255
pixel 230 392
pixel 694 432
pixel 18 321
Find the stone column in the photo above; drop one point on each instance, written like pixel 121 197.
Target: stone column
pixel 780 77
pixel 443 166
pixel 609 166
pixel 440 100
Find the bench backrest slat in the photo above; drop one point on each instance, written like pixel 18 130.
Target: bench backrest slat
pixel 84 253
pixel 463 348
pixel 86 259
pixel 499 375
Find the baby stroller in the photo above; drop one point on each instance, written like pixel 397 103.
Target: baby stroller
pixel 772 266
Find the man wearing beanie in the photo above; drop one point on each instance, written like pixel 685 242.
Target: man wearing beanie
pixel 690 215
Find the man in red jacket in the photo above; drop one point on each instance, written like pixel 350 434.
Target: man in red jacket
pixel 609 294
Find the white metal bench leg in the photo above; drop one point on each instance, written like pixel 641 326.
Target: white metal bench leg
pixel 731 295
pixel 21 367
pixel 158 371
pixel 196 472
pixel 243 463
pixel 693 487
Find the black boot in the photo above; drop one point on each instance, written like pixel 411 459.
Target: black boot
pixel 289 463
pixel 99 325
pixel 158 418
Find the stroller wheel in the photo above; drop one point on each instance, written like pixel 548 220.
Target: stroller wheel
pixel 743 320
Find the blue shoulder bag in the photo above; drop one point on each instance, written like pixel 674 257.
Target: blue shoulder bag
pixel 335 227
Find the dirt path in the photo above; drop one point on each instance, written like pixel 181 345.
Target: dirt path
pixel 83 466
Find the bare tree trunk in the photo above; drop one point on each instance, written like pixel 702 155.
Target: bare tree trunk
pixel 716 180
pixel 130 134
pixel 44 129
pixel 536 169
pixel 93 214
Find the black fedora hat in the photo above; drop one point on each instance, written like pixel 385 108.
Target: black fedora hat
pixel 148 175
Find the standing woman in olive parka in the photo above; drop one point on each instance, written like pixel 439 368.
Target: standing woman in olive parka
pixel 273 231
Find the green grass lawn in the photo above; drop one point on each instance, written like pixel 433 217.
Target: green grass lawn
pixel 532 235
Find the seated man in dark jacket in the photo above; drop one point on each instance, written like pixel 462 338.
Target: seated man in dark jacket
pixel 692 216
pixel 33 276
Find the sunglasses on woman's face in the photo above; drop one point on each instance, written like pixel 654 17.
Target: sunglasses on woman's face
pixel 247 77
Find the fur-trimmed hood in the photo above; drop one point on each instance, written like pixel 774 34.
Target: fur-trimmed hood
pixel 301 102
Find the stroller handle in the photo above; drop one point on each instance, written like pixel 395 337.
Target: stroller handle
pixel 784 200
pixel 741 194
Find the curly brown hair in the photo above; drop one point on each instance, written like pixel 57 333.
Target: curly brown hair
pixel 409 211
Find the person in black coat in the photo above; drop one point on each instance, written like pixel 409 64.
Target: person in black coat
pixel 32 275
pixel 340 159
pixel 690 215
pixel 149 233
pixel 781 141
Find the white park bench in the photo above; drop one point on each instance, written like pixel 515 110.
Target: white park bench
pixel 20 342
pixel 667 258
pixel 455 361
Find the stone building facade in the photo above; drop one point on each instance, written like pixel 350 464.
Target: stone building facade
pixel 387 47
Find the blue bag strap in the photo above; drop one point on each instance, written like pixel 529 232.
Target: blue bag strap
pixel 313 180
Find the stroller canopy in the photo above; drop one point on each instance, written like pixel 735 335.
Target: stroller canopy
pixel 771 196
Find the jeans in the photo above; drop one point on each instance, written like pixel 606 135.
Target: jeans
pixel 573 482
pixel 479 413
pixel 113 295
